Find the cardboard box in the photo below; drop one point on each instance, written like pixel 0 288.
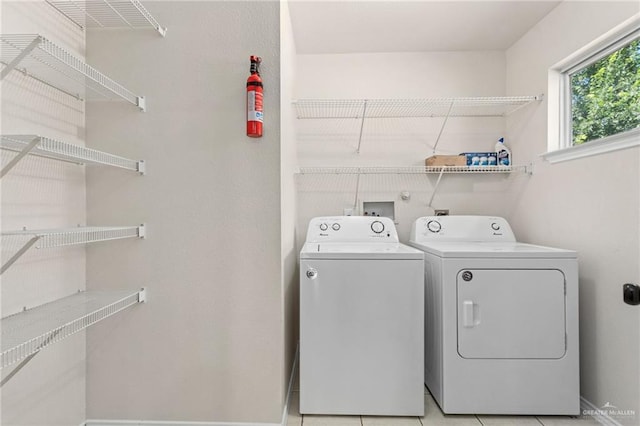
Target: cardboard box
pixel 446 160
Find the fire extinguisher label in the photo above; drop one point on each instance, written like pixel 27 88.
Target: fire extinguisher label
pixel 254 106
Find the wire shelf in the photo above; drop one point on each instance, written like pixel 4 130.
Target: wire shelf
pixel 28 332
pixel 108 14
pixel 412 170
pixel 38 57
pixel 49 238
pixel 402 108
pixel 57 150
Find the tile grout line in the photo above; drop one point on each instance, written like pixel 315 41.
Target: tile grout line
pixel 478 419
pixel 539 421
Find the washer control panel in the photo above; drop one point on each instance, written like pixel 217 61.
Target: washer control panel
pixel 462 228
pixel 352 229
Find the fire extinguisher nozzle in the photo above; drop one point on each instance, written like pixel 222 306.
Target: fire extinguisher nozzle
pixel 255 64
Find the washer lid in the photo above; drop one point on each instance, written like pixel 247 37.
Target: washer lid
pixel 492 250
pixel 396 251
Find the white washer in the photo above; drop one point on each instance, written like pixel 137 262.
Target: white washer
pixel 501 324
pixel 361 319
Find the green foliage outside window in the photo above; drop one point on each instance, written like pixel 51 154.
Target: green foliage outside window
pixel 606 95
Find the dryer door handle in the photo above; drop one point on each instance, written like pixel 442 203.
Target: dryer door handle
pixel 469 311
pixel 312 273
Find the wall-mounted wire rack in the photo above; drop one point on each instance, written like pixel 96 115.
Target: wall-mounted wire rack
pixel 402 108
pixel 50 238
pixel 50 148
pixel 414 170
pixel 38 57
pixel 108 14
pixel 26 333
pixel 363 109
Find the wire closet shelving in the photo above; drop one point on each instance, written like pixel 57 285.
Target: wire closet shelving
pixel 445 108
pixel 50 148
pixel 43 60
pixel 403 108
pixel 108 14
pixel 412 170
pixel 25 333
pixel 50 238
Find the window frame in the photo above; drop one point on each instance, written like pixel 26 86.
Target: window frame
pixel 560 141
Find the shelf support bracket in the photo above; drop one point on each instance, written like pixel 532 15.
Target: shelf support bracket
pixel 142 295
pixel 19 157
pixel 355 200
pixel 538 98
pixel 364 112
pixel 19 253
pixel 27 359
pixel 141 103
pixel 11 65
pixel 435 188
pixel 528 169
pixel 444 123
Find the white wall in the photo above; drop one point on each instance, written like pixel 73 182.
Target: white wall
pixel 288 190
pixel 40 194
pixel 208 345
pixel 591 205
pixel 397 142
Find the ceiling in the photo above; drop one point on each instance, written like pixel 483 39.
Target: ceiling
pixel 409 26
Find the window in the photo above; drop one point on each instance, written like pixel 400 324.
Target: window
pixel 605 96
pixel 597 104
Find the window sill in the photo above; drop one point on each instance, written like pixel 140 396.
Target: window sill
pixel 617 142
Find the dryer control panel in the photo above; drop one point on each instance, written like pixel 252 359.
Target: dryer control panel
pixel 462 228
pixel 351 229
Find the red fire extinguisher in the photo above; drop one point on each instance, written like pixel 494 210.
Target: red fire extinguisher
pixel 254 100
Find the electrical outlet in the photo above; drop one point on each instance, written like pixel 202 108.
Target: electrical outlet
pixel 441 212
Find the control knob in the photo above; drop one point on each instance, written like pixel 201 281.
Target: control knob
pixel 434 226
pixel 377 226
pixel 324 226
pixel 495 226
pixel 335 226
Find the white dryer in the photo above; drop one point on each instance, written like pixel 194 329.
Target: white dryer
pixel 501 324
pixel 361 319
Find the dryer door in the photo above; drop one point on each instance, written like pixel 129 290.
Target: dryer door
pixel 511 313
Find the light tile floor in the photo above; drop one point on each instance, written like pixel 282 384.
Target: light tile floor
pixel 433 417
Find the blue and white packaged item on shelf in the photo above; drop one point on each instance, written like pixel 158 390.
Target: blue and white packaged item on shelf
pixel 480 159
